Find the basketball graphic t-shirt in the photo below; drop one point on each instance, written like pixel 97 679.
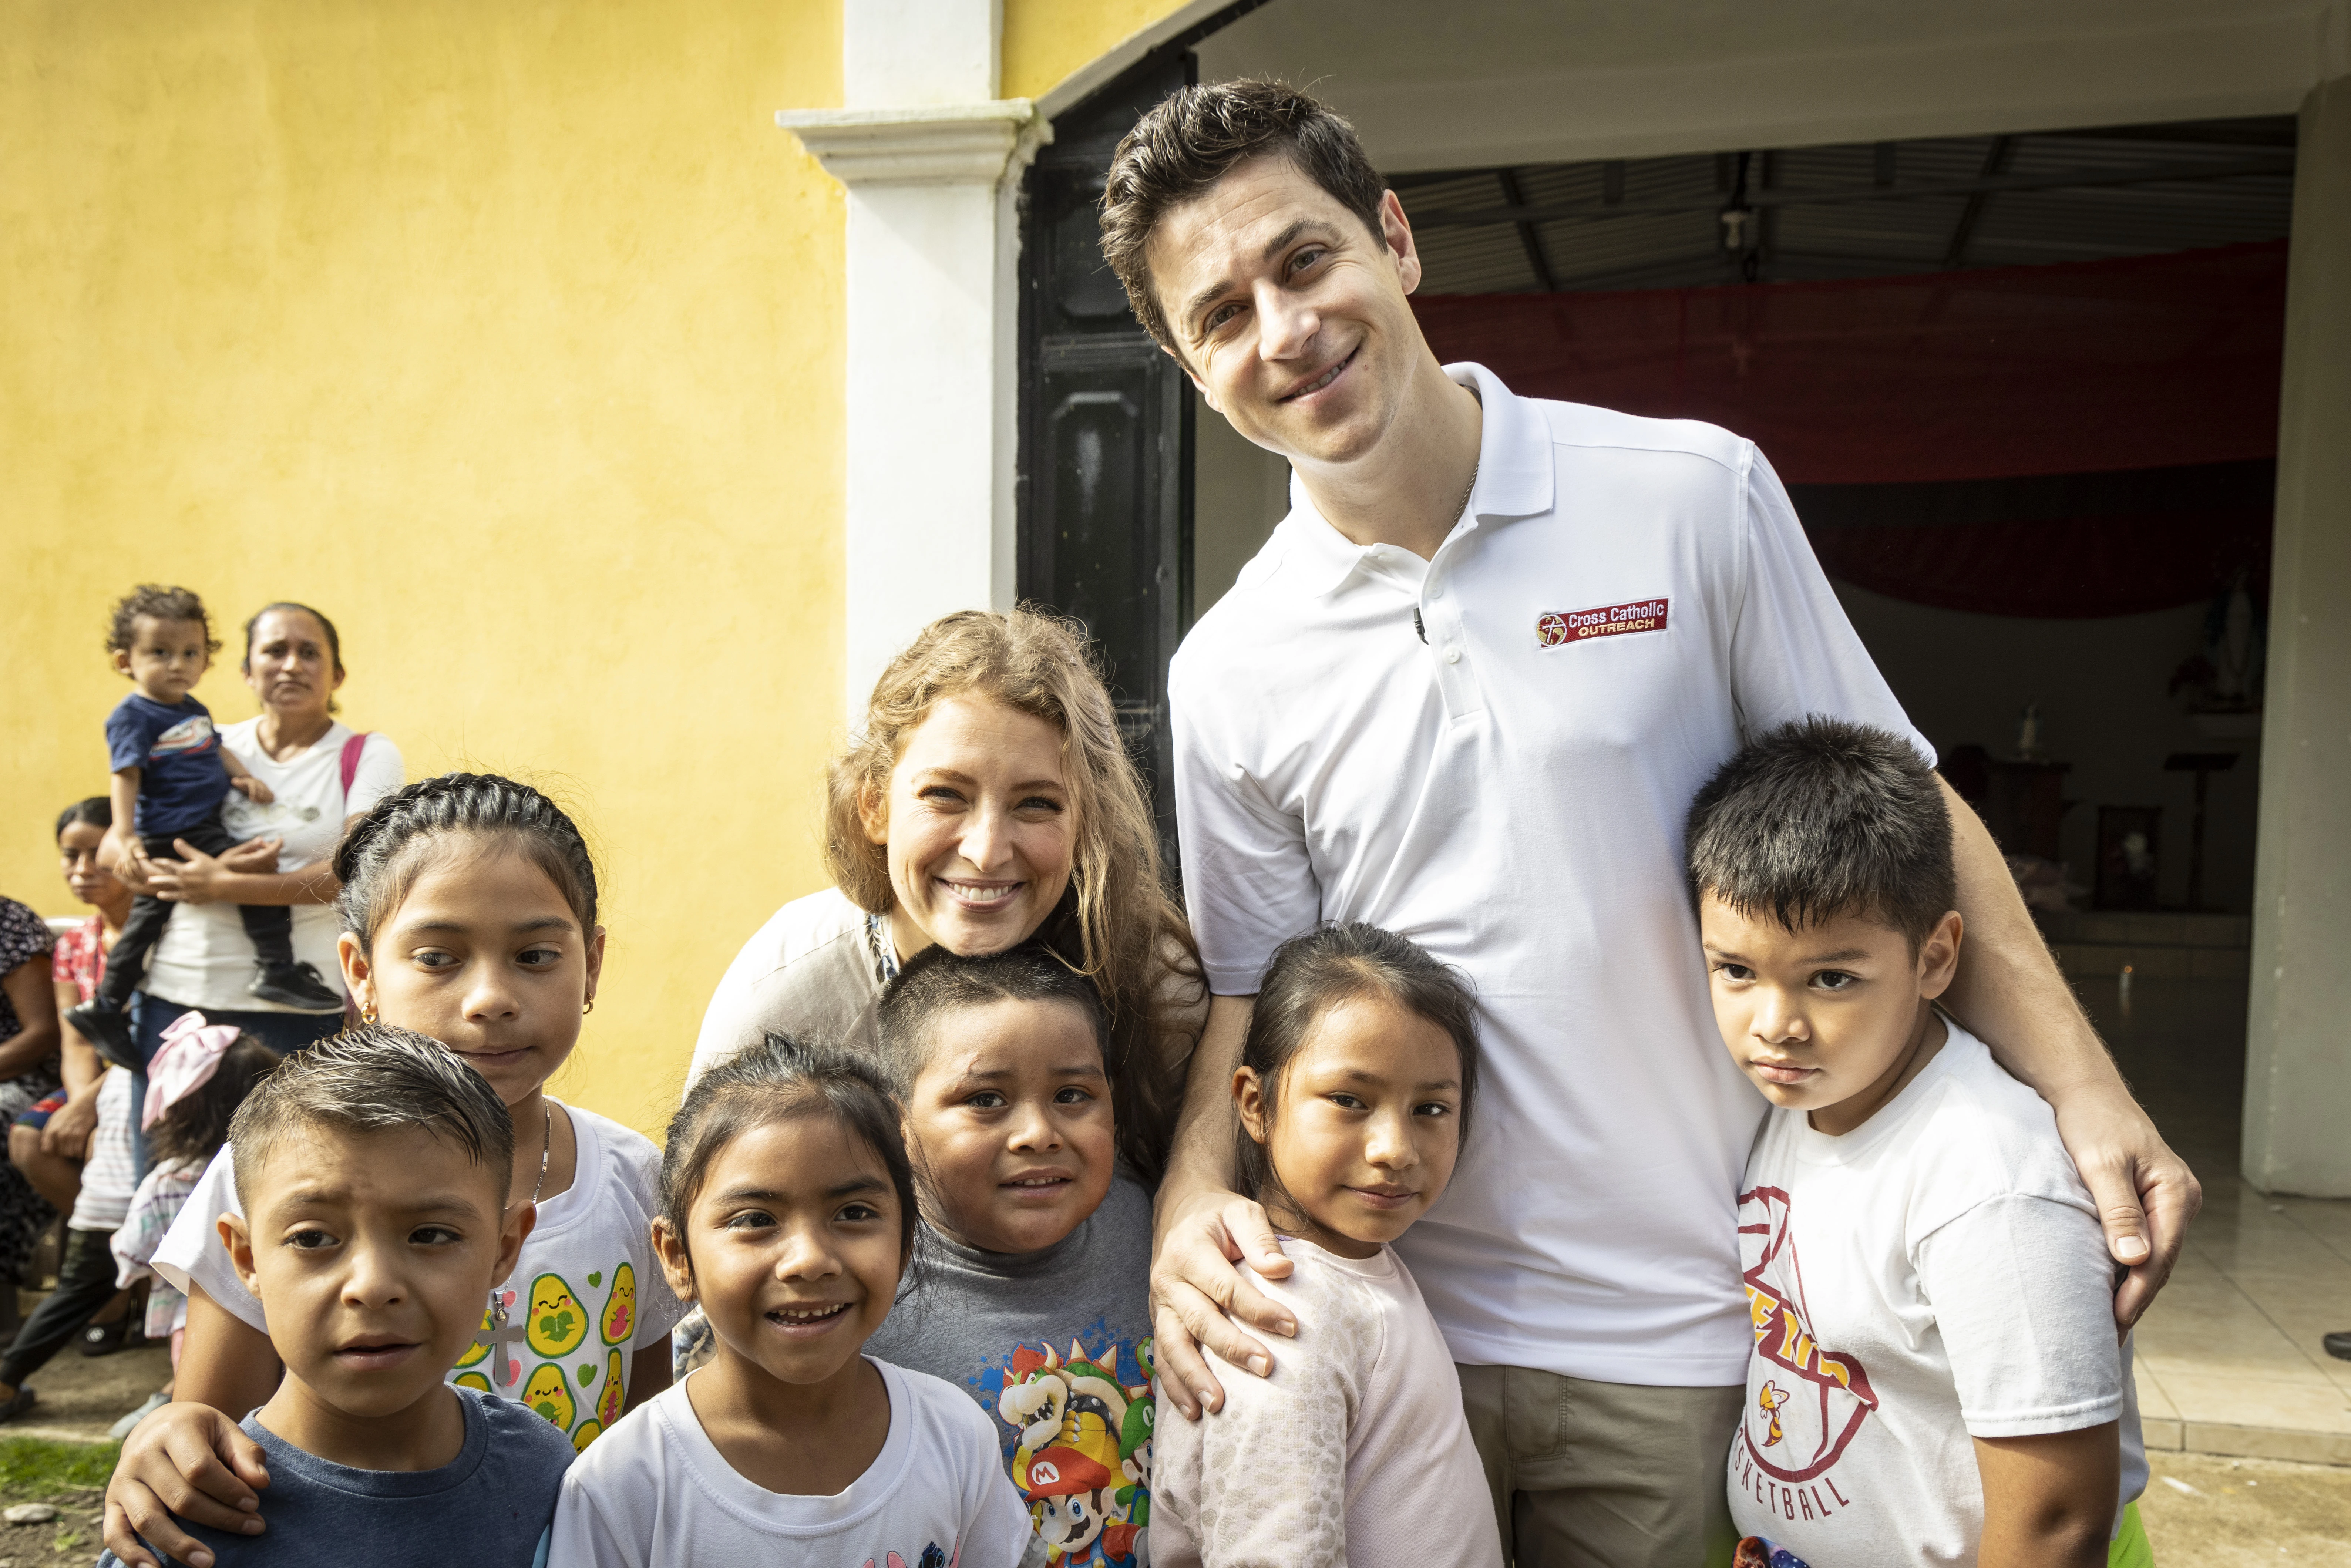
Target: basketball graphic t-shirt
pixel 586 1294
pixel 1933 1276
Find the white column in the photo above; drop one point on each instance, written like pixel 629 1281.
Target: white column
pixel 929 156
pixel 2297 1071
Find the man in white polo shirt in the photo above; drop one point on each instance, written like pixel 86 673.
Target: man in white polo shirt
pixel 1467 691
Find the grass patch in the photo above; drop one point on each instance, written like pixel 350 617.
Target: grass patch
pixel 40 1465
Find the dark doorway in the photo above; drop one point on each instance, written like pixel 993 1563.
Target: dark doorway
pixel 1106 464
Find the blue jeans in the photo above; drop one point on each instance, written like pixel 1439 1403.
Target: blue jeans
pixel 284 1033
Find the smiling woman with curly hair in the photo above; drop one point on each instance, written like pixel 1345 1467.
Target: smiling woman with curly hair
pixel 986 800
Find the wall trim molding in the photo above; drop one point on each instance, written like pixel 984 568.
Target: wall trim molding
pixel 970 144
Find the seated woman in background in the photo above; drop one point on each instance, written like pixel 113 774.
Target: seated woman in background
pixel 28 1071
pixel 51 1138
pixel 54 1141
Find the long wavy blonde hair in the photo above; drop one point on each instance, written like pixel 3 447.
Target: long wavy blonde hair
pixel 1130 939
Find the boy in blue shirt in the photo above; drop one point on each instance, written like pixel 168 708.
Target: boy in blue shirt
pixel 374 1170
pixel 171 777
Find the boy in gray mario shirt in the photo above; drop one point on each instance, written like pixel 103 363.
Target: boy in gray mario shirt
pixel 1034 1280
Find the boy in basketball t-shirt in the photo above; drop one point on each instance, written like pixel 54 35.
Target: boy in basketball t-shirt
pixel 1936 1377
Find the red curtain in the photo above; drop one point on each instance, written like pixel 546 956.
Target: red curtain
pixel 1893 406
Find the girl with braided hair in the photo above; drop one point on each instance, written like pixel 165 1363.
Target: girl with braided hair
pixel 468 910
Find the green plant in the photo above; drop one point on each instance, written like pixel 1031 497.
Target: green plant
pixel 37 1467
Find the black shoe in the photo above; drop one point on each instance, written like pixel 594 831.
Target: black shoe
pixel 108 1029
pixel 105 1339
pixel 296 986
pixel 2338 1345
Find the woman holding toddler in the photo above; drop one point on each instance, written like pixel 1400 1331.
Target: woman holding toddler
pixel 321 774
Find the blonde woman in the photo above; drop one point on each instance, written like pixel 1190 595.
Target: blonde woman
pixel 986 801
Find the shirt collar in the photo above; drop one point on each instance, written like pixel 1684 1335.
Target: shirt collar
pixel 1514 480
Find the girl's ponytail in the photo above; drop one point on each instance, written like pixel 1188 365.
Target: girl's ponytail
pixel 375 866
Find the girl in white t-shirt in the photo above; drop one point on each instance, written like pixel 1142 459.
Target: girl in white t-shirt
pixel 1354 1092
pixel 788 1214
pixel 468 908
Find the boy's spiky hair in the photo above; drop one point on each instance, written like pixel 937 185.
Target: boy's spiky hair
pixel 1820 819
pixel 936 982
pixel 375 1078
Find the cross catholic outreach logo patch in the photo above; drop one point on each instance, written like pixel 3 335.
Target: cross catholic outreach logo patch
pixel 1563 627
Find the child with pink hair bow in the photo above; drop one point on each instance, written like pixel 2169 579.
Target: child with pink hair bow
pixel 195 1084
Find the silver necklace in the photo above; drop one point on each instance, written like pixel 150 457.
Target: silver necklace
pixel 488 1338
pixel 546 1147
pixel 1467 490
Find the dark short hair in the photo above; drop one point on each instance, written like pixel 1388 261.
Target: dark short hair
pixel 936 982
pixel 1192 138
pixel 375 1078
pixel 157 602
pixel 334 638
pixel 780 1080
pixel 197 1125
pixel 1312 974
pixel 382 854
pixel 96 809
pixel 1820 818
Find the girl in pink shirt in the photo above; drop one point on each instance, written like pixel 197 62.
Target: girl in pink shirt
pixel 1353 1092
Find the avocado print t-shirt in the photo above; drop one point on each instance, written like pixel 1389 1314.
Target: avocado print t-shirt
pixel 586 1294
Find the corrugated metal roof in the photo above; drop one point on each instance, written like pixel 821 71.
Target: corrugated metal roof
pixel 1857 211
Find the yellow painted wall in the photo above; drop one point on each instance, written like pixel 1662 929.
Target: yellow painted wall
pixel 508 333
pixel 1045 40
pixel 511 336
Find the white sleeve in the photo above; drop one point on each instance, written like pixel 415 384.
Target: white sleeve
pixel 380 773
pixel 2023 1296
pixel 193 1253
pixel 1792 651
pixel 589 1524
pixel 732 1020
pixel 1248 884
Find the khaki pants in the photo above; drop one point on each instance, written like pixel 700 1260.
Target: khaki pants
pixel 1604 1475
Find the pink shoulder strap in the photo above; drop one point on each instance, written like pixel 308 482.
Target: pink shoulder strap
pixel 351 750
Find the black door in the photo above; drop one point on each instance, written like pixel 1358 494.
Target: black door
pixel 1106 462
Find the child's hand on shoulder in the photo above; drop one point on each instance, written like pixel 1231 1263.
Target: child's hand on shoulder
pixel 255 790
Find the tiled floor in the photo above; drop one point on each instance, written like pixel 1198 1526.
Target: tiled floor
pixel 2229 1357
